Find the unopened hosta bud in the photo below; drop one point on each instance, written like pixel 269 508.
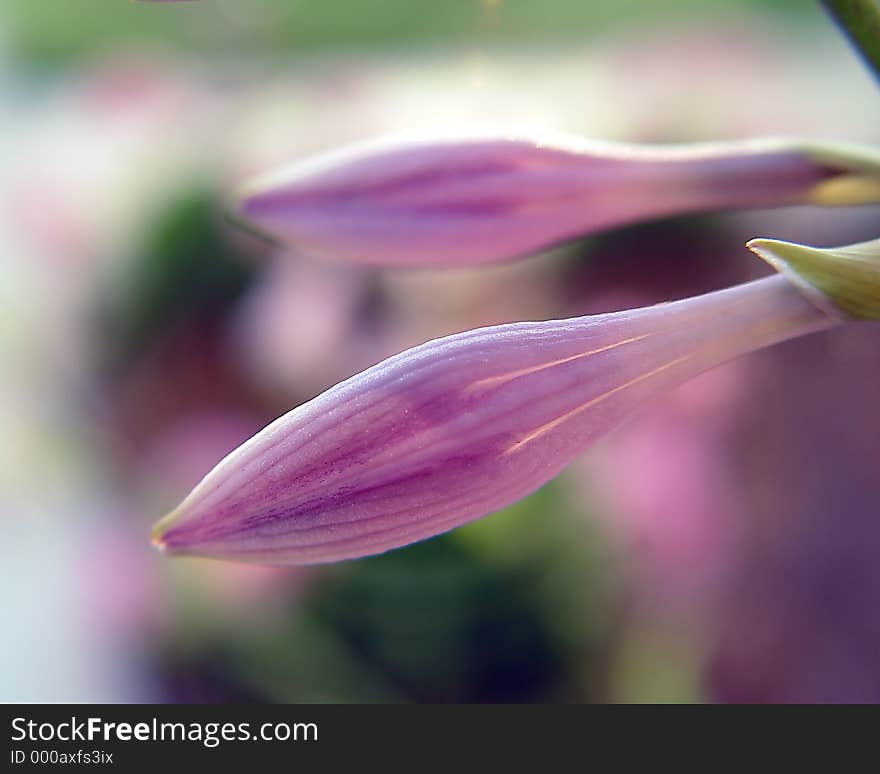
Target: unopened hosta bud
pixel 457 428
pixel 480 200
pixel 846 278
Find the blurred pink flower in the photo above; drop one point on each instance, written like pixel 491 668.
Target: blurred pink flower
pixel 300 328
pixel 665 489
pixel 799 620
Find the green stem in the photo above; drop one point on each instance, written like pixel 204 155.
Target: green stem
pixel 860 22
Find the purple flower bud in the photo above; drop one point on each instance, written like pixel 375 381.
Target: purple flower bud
pixel 462 426
pixel 484 200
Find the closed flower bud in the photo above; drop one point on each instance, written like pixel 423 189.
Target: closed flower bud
pixel 460 202
pixel 462 426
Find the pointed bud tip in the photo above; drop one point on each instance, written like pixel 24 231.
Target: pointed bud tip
pixel 158 533
pixel 840 280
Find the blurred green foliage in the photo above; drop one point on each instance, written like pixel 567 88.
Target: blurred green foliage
pixel 56 31
pixel 511 608
pixel 187 268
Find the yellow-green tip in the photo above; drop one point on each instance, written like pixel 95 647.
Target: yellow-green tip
pixel 846 278
pixel 857 175
pixel 157 536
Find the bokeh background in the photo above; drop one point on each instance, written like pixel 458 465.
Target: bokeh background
pixel 722 546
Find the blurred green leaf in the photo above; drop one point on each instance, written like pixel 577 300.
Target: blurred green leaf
pixel 188 269
pixel 56 31
pixel 442 625
pixel 860 22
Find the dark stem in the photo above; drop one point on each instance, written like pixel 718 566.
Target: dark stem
pixel 860 22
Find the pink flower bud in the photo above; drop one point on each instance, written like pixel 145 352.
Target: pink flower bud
pixel 475 201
